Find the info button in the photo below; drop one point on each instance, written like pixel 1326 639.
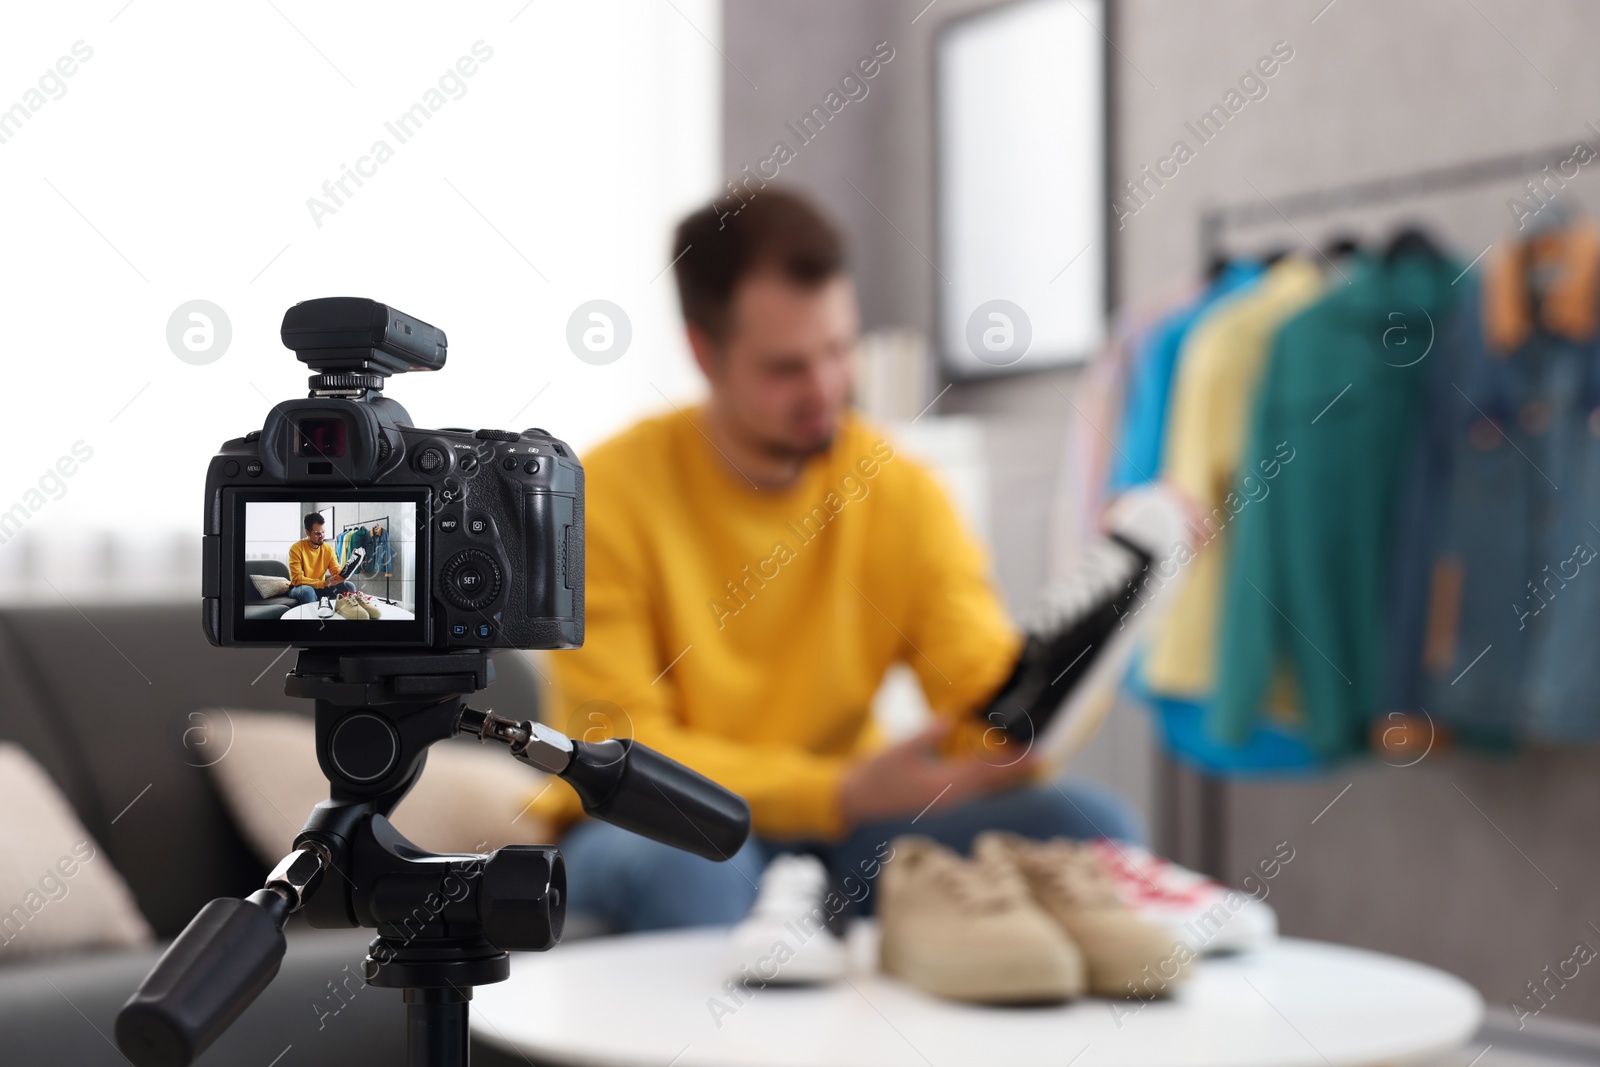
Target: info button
pixel 449 523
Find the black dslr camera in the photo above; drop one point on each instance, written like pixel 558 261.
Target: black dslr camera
pixel 344 529
pixel 340 511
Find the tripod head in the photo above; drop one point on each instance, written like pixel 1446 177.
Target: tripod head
pixel 445 922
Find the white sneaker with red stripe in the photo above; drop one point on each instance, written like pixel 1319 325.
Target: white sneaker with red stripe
pixel 1204 915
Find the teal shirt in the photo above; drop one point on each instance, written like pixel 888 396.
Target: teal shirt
pixel 1306 577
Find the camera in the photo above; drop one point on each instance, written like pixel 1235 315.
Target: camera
pixel 342 527
pixel 339 523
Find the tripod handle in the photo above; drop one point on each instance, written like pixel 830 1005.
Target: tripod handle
pixel 637 788
pixel 626 784
pixel 219 964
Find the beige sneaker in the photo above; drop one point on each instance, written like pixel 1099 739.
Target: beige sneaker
pixel 369 605
pixel 969 931
pixel 347 607
pixel 1126 955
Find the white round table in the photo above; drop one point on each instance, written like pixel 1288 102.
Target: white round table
pixel 309 612
pixel 648 1000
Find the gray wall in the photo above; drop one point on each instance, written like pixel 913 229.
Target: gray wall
pixel 1458 860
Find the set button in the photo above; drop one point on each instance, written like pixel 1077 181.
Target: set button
pixel 471 579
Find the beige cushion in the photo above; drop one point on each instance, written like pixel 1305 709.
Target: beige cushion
pixel 58 889
pixel 469 799
pixel 269 585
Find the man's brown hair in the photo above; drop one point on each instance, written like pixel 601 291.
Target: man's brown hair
pixel 729 240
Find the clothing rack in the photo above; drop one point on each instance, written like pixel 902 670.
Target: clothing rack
pixel 380 520
pixel 1216 221
pixel 1203 796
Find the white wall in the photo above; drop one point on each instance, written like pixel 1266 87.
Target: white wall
pixel 270 527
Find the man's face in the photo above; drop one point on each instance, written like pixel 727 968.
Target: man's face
pixel 314 534
pixel 783 373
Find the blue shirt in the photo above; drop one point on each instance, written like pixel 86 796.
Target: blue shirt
pixel 1144 413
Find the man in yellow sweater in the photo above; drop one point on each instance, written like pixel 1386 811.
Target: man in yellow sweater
pixel 756 563
pixel 312 563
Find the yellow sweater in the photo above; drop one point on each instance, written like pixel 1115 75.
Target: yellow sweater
pixel 744 631
pixel 309 566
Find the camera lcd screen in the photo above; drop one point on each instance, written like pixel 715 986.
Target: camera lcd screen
pixel 340 569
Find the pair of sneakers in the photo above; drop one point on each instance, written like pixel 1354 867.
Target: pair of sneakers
pixel 1021 921
pixel 356 606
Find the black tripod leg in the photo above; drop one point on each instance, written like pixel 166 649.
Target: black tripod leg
pixel 436 1027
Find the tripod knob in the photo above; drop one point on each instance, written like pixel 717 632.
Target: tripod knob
pixel 522 898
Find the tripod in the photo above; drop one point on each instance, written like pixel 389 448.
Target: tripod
pixel 444 923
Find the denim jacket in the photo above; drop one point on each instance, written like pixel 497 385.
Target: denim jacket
pixel 1498 558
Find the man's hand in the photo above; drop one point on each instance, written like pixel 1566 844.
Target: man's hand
pixel 905 778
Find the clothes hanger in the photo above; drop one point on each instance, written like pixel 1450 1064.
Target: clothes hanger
pixel 1553 217
pixel 1341 245
pixel 1412 241
pixel 1273 255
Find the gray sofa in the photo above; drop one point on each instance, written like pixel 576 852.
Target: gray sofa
pixel 102 698
pixel 257 606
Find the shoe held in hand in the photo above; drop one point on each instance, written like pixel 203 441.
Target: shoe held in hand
pixel 1082 631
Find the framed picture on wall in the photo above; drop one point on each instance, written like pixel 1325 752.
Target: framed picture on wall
pixel 1021 120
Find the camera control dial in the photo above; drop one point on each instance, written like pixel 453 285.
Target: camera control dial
pixel 471 579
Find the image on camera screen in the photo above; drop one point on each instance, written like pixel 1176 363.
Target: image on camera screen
pixel 330 561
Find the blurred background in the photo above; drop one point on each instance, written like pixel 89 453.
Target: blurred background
pixel 1025 151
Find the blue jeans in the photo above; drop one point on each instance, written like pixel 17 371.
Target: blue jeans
pixel 307 594
pixel 631 883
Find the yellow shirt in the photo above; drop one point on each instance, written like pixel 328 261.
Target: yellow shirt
pixel 1218 370
pixel 307 565
pixel 744 631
